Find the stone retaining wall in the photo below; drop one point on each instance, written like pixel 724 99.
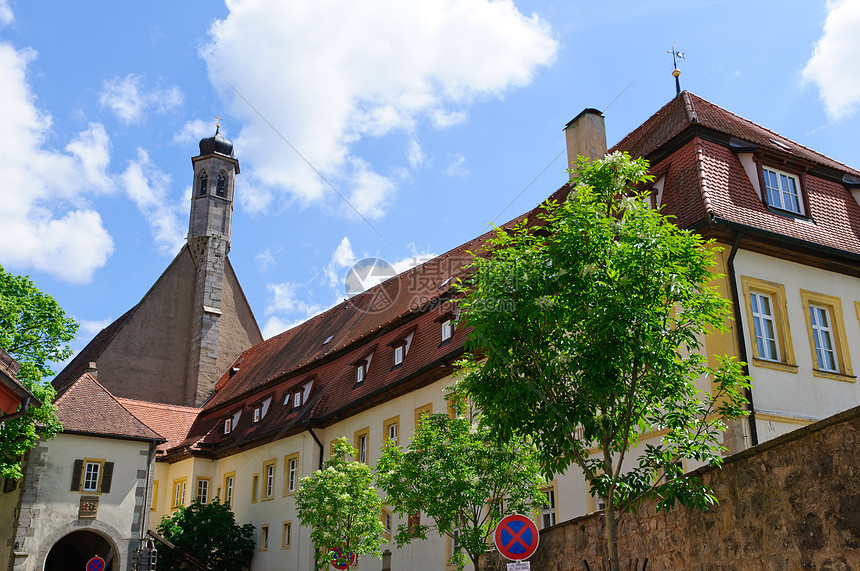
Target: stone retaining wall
pixel 790 503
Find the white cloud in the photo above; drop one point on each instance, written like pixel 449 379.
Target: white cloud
pixel 442 119
pixel 265 259
pixel 457 166
pixel 833 66
pixel 415 154
pixel 129 101
pixel 369 192
pixel 285 309
pixel 89 328
pixel 48 222
pixel 149 188
pixel 6 16
pixel 342 258
pixel 193 131
pixel 327 73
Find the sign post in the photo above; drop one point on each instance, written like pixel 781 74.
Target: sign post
pixel 517 538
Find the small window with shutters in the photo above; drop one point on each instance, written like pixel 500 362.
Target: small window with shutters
pixel 92 476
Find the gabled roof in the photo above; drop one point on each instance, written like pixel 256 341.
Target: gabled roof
pixel 170 421
pixel 86 407
pixel 696 144
pixel 688 109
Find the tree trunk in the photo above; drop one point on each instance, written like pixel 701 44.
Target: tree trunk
pixel 612 536
pixel 476 561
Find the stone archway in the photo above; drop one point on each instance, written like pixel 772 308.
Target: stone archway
pixel 73 550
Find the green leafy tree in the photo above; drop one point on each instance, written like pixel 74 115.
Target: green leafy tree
pixel 341 506
pixel 456 473
pixel 208 533
pixel 35 331
pixel 607 306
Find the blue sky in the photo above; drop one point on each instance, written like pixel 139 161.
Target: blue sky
pixel 432 118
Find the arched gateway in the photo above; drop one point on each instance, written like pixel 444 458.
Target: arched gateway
pixel 73 551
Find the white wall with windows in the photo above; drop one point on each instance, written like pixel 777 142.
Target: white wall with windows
pixel 802 333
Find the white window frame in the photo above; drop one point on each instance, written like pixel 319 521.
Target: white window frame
pixel 398 354
pixel 228 425
pixel 392 432
pixel 781 195
pixel 360 372
pixel 203 484
pixel 362 448
pixel 765 326
pixel 447 329
pixel 822 332
pixel 179 490
pixel 270 480
pixel 92 476
pixel 258 413
pixel 547 509
pixel 297 399
pixel 292 474
pixel 228 493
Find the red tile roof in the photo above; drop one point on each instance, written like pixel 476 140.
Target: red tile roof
pixel 706 183
pixel 689 109
pixel 170 421
pixel 86 407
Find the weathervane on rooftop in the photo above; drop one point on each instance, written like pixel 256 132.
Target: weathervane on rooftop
pixel 676 72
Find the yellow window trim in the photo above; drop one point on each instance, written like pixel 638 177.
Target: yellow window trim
pixel 233 494
pixel 255 484
pixel 284 525
pixel 208 489
pixel 264 532
pixel 264 479
pixel 356 436
pixel 837 324
pixel 286 491
pixel 394 420
pixel 385 511
pixel 776 292
pixel 154 503
pixel 176 482
pixel 101 463
pixel 426 409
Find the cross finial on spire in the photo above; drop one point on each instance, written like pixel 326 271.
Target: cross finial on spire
pixel 676 55
pixel 218 126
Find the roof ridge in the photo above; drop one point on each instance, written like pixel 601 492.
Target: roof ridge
pixel 771 131
pixel 154 404
pixel 92 379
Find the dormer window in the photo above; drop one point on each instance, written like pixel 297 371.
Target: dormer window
pixel 400 346
pixel 258 414
pixel 783 190
pixel 221 185
pixel 202 184
pixel 228 425
pixel 361 365
pixel 447 329
pixel 297 399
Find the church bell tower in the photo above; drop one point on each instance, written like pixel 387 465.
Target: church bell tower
pixel 215 171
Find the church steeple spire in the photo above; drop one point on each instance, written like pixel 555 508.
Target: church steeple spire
pixel 209 228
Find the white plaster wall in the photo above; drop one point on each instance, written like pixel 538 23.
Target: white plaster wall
pixel 58 506
pixel 800 397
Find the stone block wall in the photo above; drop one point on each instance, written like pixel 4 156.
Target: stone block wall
pixel 789 504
